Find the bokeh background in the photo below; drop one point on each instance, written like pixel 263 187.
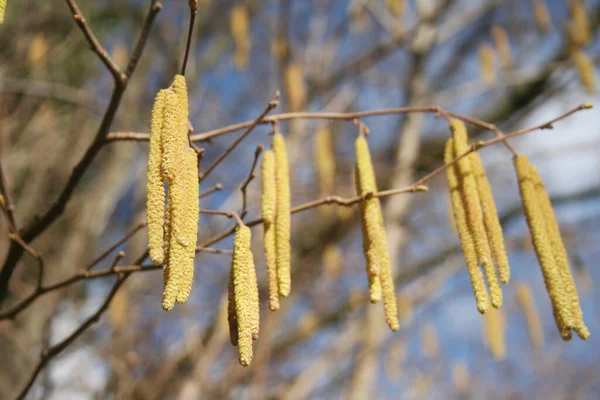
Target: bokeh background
pixel 326 341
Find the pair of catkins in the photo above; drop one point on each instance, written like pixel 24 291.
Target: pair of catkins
pixel 481 234
pixel 172 232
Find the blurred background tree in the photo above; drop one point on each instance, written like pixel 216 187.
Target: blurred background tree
pixel 513 63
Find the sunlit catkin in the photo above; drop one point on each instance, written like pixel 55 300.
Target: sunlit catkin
pixel 324 161
pixel 560 254
pixel 464 233
pixel 155 190
pixel 269 195
pixel 487 64
pixel 490 218
pixel 541 15
pixel 282 217
pixel 472 204
pixel 239 23
pixel 295 87
pixel 585 69
pixel 543 248
pixel 494 328
pixel 376 243
pixel 2 10
pixel 534 325
pixel 189 178
pixel 174 133
pixel 396 7
pixel 502 44
pixel 245 297
pixel 579 24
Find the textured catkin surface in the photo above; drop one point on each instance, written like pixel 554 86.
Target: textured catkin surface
pixel 155 190
pixel 490 218
pixel 464 233
pixel 268 213
pixel 560 254
pixel 541 243
pixel 2 10
pixel 474 213
pixel 282 218
pixel 534 324
pixel 174 134
pixel 376 247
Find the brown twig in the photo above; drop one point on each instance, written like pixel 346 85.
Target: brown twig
pixel 14 237
pixel 271 105
pixel 7 206
pixel 251 176
pixel 188 45
pixel 41 221
pixel 211 190
pixel 112 248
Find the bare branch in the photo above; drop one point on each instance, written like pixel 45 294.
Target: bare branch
pixel 251 176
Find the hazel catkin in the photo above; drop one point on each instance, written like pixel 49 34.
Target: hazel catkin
pixel 534 325
pixel 283 216
pixel 174 134
pixel 585 69
pixel 472 204
pixel 464 233
pixel 155 201
pixel 543 248
pixel 324 161
pixel 269 195
pixel 494 328
pixel 487 64
pixel 2 10
pixel 502 44
pixel 541 15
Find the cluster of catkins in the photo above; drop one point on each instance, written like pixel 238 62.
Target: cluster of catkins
pixel 482 240
pixel 172 233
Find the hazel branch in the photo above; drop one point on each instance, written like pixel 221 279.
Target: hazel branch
pixel 251 176
pixel 215 188
pixel 188 45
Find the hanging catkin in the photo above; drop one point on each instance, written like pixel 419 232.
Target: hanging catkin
pixel 155 202
pixel 174 134
pixel 579 25
pixel 378 260
pixel 282 217
pixel 585 69
pixel 243 313
pixel 541 15
pixel 494 328
pixel 189 177
pixel 2 10
pixel 490 218
pixel 543 248
pixel 324 161
pixel 295 87
pixel 534 325
pixel 560 254
pixel 474 214
pixel 502 44
pixel 269 195
pixel 487 64
pixel 239 23
pixel 464 233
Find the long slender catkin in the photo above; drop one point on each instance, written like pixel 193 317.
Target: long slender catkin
pixel 244 287
pixel 282 217
pixel 543 248
pixel 585 69
pixel 487 64
pixel 269 195
pixel 372 219
pixel 464 233
pixel 155 201
pixel 2 10
pixel 189 177
pixel 490 218
pixel 502 46
pixel 174 134
pixel 494 327
pixel 324 161
pixel 560 254
pixel 474 213
pixel 534 325
pixel 541 16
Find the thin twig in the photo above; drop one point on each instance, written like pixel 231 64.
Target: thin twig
pixel 211 190
pixel 14 237
pixel 193 11
pixel 8 205
pixel 271 105
pixel 251 176
pixel 112 248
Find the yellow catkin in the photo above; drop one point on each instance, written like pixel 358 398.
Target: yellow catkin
pixel 490 218
pixel 332 260
pixel 370 256
pixel 174 135
pixel 245 291
pixel 429 341
pixel 560 254
pixel 534 324
pixel 396 7
pixel 541 15
pixel 38 49
pixel 324 161
pixel 295 87
pixel 269 195
pixel 405 309
pixel 189 177
pixel 239 21
pixel 231 313
pixel 464 233
pixel 579 24
pixel 502 44
pixel 155 202
pixel 372 220
pixel 585 69
pixel 119 309
pixel 474 213
pixel 494 328
pixel 543 248
pixel 282 218
pixel 2 10
pixel 487 64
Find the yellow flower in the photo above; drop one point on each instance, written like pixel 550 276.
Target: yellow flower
pixel 283 216
pixel 269 194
